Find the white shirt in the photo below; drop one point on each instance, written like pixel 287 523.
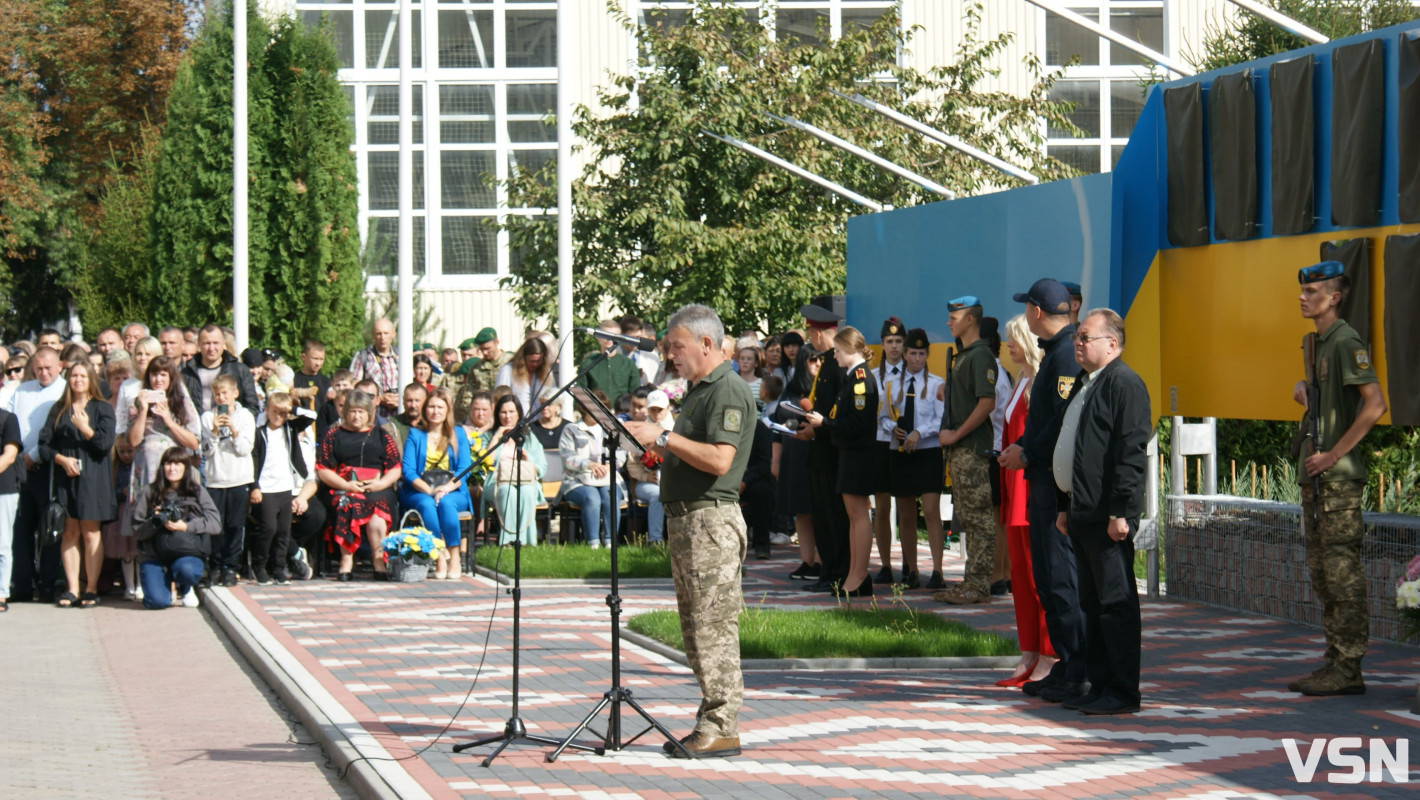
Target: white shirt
pixel 927 408
pixel 890 373
pixel 229 462
pixel 648 363
pixel 277 474
pixel 1064 461
pixel 30 404
pixel 1003 397
pixel 523 391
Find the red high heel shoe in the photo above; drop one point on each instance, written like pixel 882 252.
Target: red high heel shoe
pixel 1020 676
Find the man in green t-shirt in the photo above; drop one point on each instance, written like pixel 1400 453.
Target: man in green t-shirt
pixel 705 457
pixel 967 437
pixel 615 375
pixel 1350 403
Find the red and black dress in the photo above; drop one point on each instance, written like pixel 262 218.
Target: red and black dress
pixel 358 456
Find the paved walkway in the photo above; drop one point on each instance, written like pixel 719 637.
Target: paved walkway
pixel 117 702
pixel 402 660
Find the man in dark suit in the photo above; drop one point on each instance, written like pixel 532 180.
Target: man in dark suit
pixel 1100 464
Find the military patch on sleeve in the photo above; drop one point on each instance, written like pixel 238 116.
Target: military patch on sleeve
pixel 991 375
pixel 1063 386
pixel 860 402
pixel 860 388
pixel 734 419
pixel 860 374
pixel 1363 359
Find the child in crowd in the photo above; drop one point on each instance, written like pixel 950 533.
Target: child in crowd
pixel 228 432
pixel 658 409
pixel 342 381
pixel 281 469
pixel 310 386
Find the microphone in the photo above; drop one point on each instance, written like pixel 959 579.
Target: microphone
pixel 645 345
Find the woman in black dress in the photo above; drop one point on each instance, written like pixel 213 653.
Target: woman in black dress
pixel 853 423
pixel 790 466
pixel 76 441
pixel 360 464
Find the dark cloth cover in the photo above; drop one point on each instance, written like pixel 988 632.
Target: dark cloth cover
pixel 1357 117
pixel 1187 209
pixel 1232 136
pixel 1356 255
pixel 1402 336
pixel 1293 146
pixel 1408 111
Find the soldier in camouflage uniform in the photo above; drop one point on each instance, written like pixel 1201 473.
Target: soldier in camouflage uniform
pixel 705 458
pixel 967 440
pixel 1349 404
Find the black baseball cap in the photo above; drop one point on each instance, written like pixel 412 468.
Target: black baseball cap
pixel 1047 294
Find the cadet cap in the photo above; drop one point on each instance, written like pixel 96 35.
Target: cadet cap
pixel 819 317
pixel 892 326
pixel 1323 271
pixel 917 340
pixel 1047 294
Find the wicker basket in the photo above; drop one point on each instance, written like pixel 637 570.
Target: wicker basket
pixel 402 571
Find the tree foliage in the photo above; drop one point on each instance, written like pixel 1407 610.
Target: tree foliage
pixel 80 81
pixel 1252 37
pixel 303 244
pixel 666 215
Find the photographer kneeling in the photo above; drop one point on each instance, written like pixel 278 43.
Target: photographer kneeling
pixel 173 519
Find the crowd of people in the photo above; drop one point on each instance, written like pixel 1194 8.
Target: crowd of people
pixel 177 462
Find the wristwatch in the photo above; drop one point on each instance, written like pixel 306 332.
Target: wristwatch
pixel 663 440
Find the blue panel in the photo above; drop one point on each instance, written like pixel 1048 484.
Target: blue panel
pixel 910 261
pixel 1140 202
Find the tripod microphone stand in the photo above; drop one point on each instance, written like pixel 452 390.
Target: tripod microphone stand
pixel 617 694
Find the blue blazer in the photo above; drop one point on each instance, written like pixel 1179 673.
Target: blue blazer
pixel 416 455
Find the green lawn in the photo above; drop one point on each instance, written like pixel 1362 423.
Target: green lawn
pixel 873 632
pixel 578 561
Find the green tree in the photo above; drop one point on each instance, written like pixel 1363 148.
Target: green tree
pixel 1253 37
pixel 666 215
pixel 303 243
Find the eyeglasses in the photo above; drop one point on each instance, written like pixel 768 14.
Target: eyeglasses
pixel 1083 339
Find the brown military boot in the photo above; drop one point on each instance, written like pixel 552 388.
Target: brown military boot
pixel 962 596
pixel 1340 679
pixel 1296 685
pixel 703 745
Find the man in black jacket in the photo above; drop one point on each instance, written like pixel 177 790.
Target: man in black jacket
pixel 1100 463
pixel 212 359
pixel 1052 558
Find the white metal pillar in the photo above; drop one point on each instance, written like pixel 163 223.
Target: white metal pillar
pixel 1194 439
pixel 404 336
pixel 566 35
pixel 240 178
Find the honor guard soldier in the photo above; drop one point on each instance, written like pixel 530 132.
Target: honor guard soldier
pixel 1343 401
pixel 829 515
pixel 967 437
pixel 480 372
pixel 890 368
pixel 910 417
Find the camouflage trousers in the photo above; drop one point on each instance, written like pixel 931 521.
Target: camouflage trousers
pixel 972 514
pixel 1338 575
pixel 707 548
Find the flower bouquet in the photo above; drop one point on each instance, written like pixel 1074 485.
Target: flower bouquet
pixel 410 552
pixel 1407 598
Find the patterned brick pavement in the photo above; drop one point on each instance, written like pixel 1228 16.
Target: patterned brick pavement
pixel 400 659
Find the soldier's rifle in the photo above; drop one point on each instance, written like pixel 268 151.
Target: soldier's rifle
pixel 1311 421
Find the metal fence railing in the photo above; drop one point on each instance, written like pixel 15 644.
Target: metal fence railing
pixel 1248 555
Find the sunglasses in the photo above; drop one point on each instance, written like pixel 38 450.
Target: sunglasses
pixel 15 371
pixel 1083 339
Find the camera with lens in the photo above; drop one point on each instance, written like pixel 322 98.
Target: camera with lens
pixel 167 512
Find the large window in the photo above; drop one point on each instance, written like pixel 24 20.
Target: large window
pixel 1108 83
pixel 807 21
pixel 485 87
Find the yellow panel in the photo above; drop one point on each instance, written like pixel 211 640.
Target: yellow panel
pixel 1231 329
pixel 1142 339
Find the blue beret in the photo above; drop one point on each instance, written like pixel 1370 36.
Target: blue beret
pixel 965 301
pixel 1072 288
pixel 1324 271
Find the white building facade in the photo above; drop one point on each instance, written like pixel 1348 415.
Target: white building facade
pixel 485 83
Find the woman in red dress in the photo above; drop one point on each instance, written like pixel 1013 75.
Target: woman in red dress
pixel 360 464
pixel 1037 656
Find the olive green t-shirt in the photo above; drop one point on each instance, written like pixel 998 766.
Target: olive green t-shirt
pixel 1343 363
pixel 718 409
pixel 973 377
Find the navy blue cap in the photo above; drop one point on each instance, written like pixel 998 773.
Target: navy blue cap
pixel 1072 288
pixel 965 301
pixel 917 340
pixel 1323 271
pixel 820 317
pixel 1047 294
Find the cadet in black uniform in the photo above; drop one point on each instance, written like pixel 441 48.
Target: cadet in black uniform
pixel 890 369
pixel 852 421
pixel 829 516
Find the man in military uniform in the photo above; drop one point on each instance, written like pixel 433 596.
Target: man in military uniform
pixel 479 372
pixel 967 437
pixel 705 458
pixel 830 516
pixel 1349 404
pixel 1052 557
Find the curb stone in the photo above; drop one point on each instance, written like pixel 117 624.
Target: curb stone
pixel 832 664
